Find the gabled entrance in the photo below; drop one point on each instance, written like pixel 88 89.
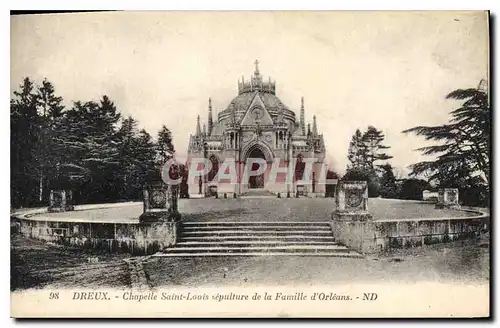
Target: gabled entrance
pixel 256 181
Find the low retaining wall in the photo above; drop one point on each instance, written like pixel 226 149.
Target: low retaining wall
pixel 381 235
pixel 411 233
pixel 133 238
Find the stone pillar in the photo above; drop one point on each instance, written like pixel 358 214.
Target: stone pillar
pixel 448 198
pixel 160 203
pixel 61 201
pixel 352 225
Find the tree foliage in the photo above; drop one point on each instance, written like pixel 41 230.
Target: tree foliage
pixel 463 145
pixel 366 149
pixel 88 147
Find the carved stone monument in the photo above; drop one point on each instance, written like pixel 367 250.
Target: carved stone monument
pixel 351 223
pixel 301 190
pixel 160 203
pixel 448 198
pixel 61 201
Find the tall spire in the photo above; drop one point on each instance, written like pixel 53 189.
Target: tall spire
pixel 204 129
pixel 315 127
pixel 198 129
pixel 302 117
pixel 210 121
pixel 256 67
pixel 308 129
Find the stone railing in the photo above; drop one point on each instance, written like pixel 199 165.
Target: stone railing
pixel 156 229
pixel 354 226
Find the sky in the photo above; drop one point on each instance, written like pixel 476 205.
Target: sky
pixel 391 70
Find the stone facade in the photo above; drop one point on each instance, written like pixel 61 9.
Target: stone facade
pixel 61 201
pixel 256 124
pixel 448 198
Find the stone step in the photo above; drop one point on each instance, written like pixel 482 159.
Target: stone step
pixel 254 227
pixel 255 232
pixel 280 248
pixel 239 243
pixel 256 223
pixel 287 238
pixel 298 253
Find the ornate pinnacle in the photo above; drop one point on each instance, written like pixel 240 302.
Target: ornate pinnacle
pixel 210 121
pixel 315 128
pixel 302 117
pixel 198 129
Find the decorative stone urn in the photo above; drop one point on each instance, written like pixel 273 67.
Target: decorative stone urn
pixel 160 203
pixel 352 225
pixel 61 201
pixel 448 198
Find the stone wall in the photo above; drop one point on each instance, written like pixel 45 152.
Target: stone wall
pixel 353 226
pixel 137 239
pixel 368 236
pixel 410 233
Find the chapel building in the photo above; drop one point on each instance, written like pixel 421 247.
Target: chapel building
pixel 256 124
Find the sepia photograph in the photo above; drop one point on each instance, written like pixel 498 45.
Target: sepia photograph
pixel 251 164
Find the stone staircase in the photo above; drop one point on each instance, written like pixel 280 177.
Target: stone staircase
pixel 257 193
pixel 257 239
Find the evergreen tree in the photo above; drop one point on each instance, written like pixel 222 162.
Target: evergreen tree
pixel 50 109
pixel 50 105
pixel 388 185
pixel 25 132
pixel 463 151
pixel 87 148
pixel 165 146
pixel 357 151
pixel 374 149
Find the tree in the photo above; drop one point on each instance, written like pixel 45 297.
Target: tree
pixel 25 136
pixel 372 143
pixel 137 156
pixel 87 136
pixel 413 188
pixel 366 148
pixel 50 105
pixel 165 146
pixel 388 185
pixel 357 151
pixel 463 151
pixel 88 148
pixel 50 109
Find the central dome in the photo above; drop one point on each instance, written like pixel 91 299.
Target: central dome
pixel 241 102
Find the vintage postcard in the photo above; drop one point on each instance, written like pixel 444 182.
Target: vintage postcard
pixel 327 164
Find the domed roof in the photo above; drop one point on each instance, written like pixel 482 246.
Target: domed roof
pixel 241 102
